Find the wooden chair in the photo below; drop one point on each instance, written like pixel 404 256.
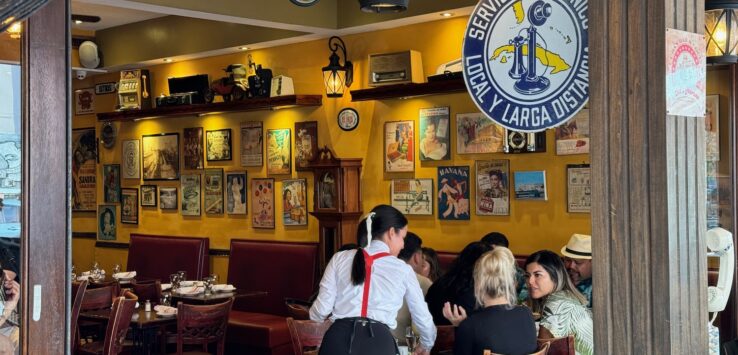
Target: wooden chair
pixel 306 334
pixel 129 295
pixel 542 350
pixel 148 291
pixel 115 334
pixel 78 292
pixel 202 325
pixel 444 340
pixel 559 346
pixel 92 300
pixel 297 309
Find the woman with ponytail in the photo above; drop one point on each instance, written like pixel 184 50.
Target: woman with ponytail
pixel 363 289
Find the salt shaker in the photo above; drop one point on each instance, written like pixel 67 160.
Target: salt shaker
pixel 147 306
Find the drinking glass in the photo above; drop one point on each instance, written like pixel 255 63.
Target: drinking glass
pixel 182 275
pixel 411 339
pixel 208 283
pixel 173 279
pixel 74 273
pixel 116 269
pixel 214 278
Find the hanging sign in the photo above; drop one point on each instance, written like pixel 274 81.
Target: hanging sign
pixel 685 73
pixel 526 63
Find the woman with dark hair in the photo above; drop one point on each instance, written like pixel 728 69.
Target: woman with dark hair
pixel 363 289
pixel 552 294
pixel 457 285
pixel 431 267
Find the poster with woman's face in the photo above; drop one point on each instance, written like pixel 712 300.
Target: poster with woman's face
pixel 453 192
pixel 493 187
pixel 84 170
pixel 399 146
pixel 294 202
pixel 434 134
pixel 236 193
pixel 106 222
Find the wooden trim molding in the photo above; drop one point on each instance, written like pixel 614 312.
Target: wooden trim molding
pixel 111 245
pixel 84 235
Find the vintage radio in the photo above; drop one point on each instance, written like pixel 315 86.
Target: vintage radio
pixel 185 98
pixel 521 142
pixel 133 90
pixel 395 68
pixel 282 86
pixel 194 85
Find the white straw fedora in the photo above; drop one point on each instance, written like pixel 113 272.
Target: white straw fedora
pixel 578 247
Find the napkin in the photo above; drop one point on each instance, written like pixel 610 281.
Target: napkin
pixel 83 277
pixel 190 283
pixel 165 287
pixel 191 290
pixel 85 273
pixel 125 275
pixel 165 310
pixel 223 288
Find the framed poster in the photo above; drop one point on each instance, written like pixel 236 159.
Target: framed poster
pixel 236 192
pixel 218 144
pixel 578 189
pixel 131 167
pixel 572 137
pixel 84 101
pixel 435 140
pixel 111 183
pixel 530 185
pixel 148 196
pixel 279 151
pixel 294 202
pixel 399 146
pixel 106 222
pixel 306 143
pixel 477 134
pixel 193 149
pixel 84 170
pixel 161 156
pixel 453 192
pixel 168 198
pixel 191 195
pixel 252 144
pixel 129 206
pixel 214 191
pixel 712 128
pixel 493 187
pixel 327 193
pixel 412 196
pixel 262 203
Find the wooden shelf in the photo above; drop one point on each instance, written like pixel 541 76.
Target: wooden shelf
pixel 401 91
pixel 254 104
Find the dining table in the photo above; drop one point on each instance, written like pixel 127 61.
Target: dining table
pixel 214 297
pixel 144 326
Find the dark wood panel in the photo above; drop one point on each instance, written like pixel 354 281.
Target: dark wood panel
pixel 84 235
pixel 45 201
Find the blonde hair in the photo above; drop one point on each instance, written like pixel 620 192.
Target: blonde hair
pixel 494 276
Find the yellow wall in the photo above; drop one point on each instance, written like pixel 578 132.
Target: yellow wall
pixel 530 227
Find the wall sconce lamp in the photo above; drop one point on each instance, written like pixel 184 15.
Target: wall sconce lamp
pixel 337 77
pixel 721 30
pixel 383 5
pixel 15 30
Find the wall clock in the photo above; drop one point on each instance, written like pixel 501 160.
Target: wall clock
pixel 348 119
pixel 304 2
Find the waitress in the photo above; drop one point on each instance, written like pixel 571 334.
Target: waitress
pixel 363 289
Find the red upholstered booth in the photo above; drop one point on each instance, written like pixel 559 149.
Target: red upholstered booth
pixel 158 256
pixel 259 325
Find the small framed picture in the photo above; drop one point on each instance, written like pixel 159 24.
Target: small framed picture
pixel 252 143
pixel 476 134
pixel 129 206
pixel 84 170
pixel 294 202
pixel 193 149
pixel 572 137
pixel 279 151
pixel 191 192
pixel 399 146
pixel 493 187
pixel 530 185
pixel 218 144
pixel 131 167
pixel 213 191
pixel 84 100
pixel 168 198
pixel 412 196
pixel 578 189
pixel 148 195
pixel 262 203
pixel 306 143
pixel 236 192
pixel 111 183
pixel 106 222
pixel 435 134
pixel 160 156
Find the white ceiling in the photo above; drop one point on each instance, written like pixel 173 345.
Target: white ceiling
pixel 109 16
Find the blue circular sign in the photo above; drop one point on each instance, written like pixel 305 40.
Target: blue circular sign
pixel 526 62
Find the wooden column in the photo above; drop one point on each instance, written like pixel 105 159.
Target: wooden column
pixel 45 205
pixel 648 210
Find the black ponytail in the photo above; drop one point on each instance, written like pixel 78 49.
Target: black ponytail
pixel 384 217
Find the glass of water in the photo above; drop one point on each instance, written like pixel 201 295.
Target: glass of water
pixel 411 338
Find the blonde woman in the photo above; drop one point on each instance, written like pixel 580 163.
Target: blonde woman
pixel 501 326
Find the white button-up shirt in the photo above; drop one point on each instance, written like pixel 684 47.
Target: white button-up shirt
pixel 392 281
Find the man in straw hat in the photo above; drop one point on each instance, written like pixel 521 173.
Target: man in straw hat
pixel 578 260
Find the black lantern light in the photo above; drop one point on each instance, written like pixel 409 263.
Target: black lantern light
pixel 337 77
pixel 721 30
pixel 383 5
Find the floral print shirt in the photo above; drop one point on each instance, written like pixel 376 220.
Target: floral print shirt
pixel 563 315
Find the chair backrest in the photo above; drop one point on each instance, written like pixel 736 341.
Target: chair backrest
pixel 444 339
pixel 542 350
pixel 120 319
pixel 148 291
pixel 190 254
pixel 202 325
pixel 98 298
pixel 559 346
pixel 297 309
pixel 306 333
pixel 129 295
pixel 78 292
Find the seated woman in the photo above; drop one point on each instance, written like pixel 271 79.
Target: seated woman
pixel 431 268
pixel 501 326
pixel 563 309
pixel 457 285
